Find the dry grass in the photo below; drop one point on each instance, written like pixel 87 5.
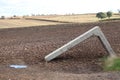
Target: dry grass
pixel 12 23
pixel 70 18
pixel 51 20
pixel 83 18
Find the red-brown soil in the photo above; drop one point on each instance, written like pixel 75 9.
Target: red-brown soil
pixel 29 46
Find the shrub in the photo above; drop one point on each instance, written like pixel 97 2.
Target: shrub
pixel 109 14
pixel 14 16
pixel 112 64
pixel 101 15
pixel 2 17
pixel 119 11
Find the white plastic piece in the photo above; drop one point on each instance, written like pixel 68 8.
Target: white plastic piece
pixel 94 31
pixel 18 66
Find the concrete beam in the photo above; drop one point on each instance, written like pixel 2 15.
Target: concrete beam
pixel 94 31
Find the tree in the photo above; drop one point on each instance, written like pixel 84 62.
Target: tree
pixel 14 16
pixel 2 17
pixel 101 15
pixel 109 14
pixel 119 11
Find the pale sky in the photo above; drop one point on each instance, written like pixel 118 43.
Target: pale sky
pixel 28 7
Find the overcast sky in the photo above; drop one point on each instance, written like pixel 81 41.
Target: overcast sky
pixel 24 7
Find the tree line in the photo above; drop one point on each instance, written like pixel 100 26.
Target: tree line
pixel 102 15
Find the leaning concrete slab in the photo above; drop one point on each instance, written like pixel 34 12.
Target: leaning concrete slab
pixel 94 31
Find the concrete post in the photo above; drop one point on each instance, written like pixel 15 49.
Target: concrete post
pixel 94 31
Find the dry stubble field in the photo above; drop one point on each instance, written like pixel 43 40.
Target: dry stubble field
pixel 30 45
pixel 49 20
pixel 80 18
pixel 16 23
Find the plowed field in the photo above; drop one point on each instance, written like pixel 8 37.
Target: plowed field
pixel 29 46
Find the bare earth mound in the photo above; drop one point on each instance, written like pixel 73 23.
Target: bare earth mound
pixel 29 46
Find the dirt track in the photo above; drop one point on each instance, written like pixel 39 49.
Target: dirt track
pixel 30 45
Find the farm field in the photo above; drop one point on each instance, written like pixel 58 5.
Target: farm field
pixel 49 20
pixel 13 23
pixel 28 46
pixel 80 18
pixel 69 18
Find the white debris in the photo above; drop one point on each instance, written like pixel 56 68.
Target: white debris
pixel 18 66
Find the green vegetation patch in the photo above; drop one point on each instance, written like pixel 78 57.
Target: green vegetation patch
pixel 112 64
